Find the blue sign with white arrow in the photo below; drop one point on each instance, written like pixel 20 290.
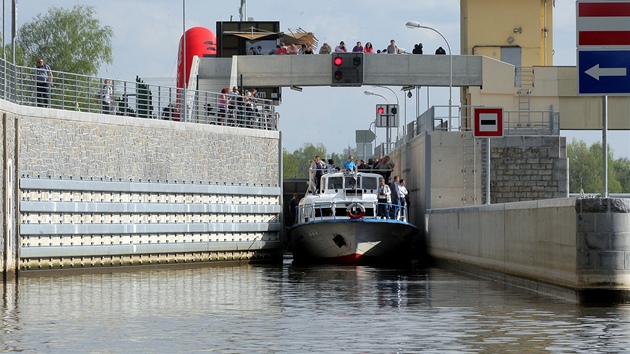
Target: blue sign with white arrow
pixel 604 72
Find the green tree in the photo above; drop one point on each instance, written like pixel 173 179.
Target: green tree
pixel 585 168
pixel 69 40
pixel 296 164
pixel 290 165
pixel 621 170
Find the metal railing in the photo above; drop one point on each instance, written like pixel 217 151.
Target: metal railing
pixel 68 91
pixel 337 210
pixel 514 122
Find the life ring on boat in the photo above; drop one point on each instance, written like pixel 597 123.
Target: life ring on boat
pixel 352 211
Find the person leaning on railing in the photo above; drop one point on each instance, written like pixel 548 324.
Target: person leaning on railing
pixel 105 95
pixel 44 81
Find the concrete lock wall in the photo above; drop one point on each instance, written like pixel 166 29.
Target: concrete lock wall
pixel 582 245
pixel 538 237
pixel 95 190
pixel 534 240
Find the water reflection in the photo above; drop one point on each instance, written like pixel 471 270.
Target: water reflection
pixel 291 308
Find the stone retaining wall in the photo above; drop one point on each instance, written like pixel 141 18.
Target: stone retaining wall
pixel 202 192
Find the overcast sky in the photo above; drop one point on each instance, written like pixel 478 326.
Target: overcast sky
pixel 147 34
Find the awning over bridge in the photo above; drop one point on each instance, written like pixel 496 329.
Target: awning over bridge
pixel 297 37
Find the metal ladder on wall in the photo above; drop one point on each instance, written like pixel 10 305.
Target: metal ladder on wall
pixel 468 169
pixel 524 95
pixel 525 83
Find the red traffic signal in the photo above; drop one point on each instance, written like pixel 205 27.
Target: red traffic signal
pixel 380 110
pixel 338 61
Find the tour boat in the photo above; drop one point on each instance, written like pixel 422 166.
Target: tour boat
pixel 343 222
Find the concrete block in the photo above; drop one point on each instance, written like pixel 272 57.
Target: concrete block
pixel 611 260
pixel 597 241
pixel 585 223
pixel 532 141
pixel 620 241
pixel 612 222
pixel 585 260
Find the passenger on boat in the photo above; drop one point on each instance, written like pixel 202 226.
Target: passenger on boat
pixel 385 167
pixel 384 198
pixel 330 166
pixel 348 165
pixel 395 190
pixel 363 167
pixel 404 195
pixel 317 169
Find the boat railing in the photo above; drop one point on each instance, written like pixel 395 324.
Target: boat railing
pixel 338 210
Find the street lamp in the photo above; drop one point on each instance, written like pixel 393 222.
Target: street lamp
pixel 415 24
pixel 372 93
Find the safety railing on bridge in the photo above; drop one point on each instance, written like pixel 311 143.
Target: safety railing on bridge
pixel 514 122
pixel 75 92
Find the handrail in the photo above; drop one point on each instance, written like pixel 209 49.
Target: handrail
pixel 515 122
pixel 326 211
pixel 75 92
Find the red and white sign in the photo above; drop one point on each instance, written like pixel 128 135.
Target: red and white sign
pixel 603 23
pixel 488 122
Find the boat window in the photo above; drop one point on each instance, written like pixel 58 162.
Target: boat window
pixel 369 183
pixel 335 182
pixel 350 182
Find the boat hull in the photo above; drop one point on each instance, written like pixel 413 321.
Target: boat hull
pixel 353 241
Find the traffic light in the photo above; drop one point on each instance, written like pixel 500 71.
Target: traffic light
pixel 386 115
pixel 393 114
pixel 347 69
pixel 381 115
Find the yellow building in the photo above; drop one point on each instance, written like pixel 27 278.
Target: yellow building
pixel 518 32
pixel 519 35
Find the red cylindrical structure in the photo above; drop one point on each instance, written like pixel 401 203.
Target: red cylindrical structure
pixel 201 42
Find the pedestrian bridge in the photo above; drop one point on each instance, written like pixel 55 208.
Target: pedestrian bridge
pixel 317 70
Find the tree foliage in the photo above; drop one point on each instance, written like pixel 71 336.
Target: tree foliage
pixel 69 40
pixel 585 169
pixel 297 163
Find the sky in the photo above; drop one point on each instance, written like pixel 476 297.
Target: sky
pixel 147 34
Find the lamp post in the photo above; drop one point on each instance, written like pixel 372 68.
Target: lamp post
pixel 388 135
pixel 185 98
pixel 415 24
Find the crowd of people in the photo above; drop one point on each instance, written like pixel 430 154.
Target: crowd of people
pixel 239 109
pixel 307 48
pixel 393 199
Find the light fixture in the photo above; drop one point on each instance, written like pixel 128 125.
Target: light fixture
pixel 510 39
pixel 372 93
